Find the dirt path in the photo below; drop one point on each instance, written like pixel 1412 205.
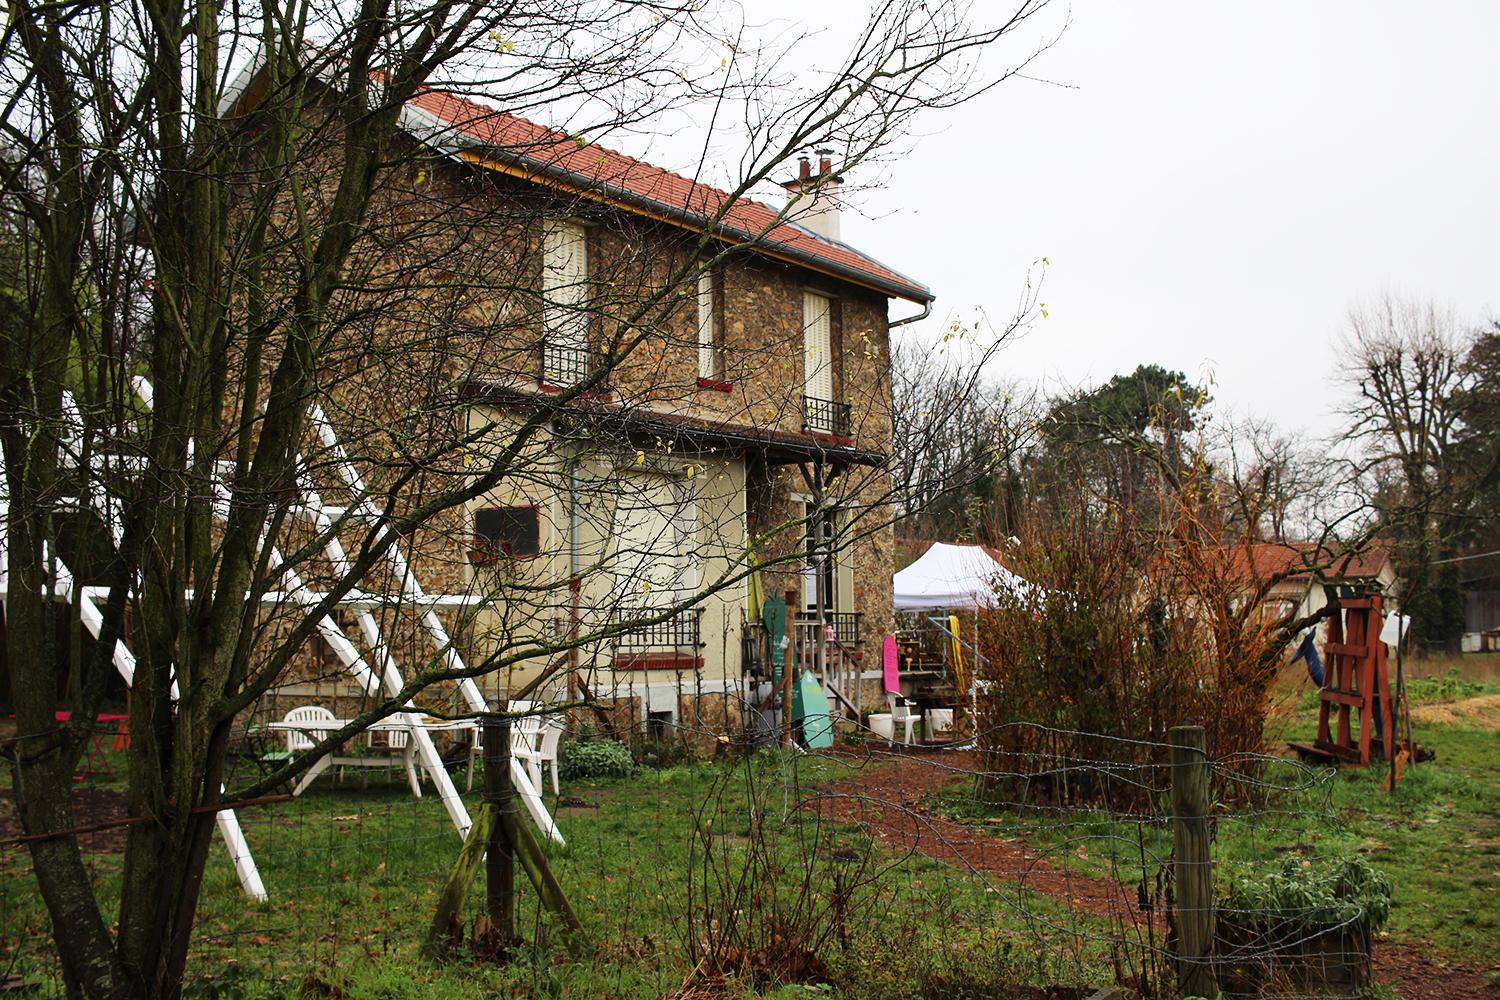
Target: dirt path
pixel 1414 976
pixel 889 796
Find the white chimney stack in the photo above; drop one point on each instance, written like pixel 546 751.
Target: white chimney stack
pixel 813 200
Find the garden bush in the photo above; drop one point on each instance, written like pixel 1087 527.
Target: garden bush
pixel 1314 894
pixel 594 758
pixel 1123 635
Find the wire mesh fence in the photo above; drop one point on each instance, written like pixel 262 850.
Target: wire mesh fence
pixel 888 870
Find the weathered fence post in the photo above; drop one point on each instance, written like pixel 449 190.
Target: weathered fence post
pixel 499 861
pixel 1193 865
pixel 793 673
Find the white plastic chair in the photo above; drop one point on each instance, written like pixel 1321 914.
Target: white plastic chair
pixel 298 740
pixel 526 740
pixel 397 742
pixel 547 753
pixel 306 739
pixel 526 733
pixel 902 714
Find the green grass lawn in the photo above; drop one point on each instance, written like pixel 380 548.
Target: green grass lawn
pixel 664 868
pixel 668 866
pixel 1436 833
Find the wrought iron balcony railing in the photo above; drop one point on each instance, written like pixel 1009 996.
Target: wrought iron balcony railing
pixel 565 365
pixel 823 416
pixel 681 631
pixel 845 624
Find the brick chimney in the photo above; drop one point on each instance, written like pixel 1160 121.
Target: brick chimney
pixel 813 200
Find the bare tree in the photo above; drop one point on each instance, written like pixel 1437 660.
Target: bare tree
pixel 1406 383
pixel 1278 487
pixel 243 207
pixel 961 436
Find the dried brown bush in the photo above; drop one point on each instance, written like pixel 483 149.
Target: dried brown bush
pixel 1125 634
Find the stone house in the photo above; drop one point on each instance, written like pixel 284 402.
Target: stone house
pixel 709 381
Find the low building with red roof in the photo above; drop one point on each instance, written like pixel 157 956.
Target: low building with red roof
pixel 1299 571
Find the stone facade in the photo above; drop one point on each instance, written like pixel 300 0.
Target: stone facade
pixel 462 333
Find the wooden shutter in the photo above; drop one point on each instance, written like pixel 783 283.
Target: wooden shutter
pixel 654 563
pixel 565 272
pixel 817 350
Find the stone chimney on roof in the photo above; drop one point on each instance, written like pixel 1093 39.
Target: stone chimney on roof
pixel 814 200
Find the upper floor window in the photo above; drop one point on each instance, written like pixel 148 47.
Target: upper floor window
pixel 708 341
pixel 821 413
pixel 817 345
pixel 565 272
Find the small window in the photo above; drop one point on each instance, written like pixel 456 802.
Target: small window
pixel 658 725
pixel 515 531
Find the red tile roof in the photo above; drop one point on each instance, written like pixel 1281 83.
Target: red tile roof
pixel 457 125
pixel 1281 557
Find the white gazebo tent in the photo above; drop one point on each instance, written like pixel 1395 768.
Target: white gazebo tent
pixel 951 578
pixel 954 577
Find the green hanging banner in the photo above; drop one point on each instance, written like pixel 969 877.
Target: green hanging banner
pixel 773 613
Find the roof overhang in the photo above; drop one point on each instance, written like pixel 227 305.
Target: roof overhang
pixel 450 139
pixel 655 430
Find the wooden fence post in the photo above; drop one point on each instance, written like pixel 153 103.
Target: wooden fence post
pixel 499 861
pixel 447 929
pixel 1193 865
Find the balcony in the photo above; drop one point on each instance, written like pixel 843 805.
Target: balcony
pixel 681 631
pixel 823 416
pixel 565 364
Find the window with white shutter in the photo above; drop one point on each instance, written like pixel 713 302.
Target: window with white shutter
pixel 565 272
pixel 821 412
pixel 708 358
pixel 817 347
pixel 655 559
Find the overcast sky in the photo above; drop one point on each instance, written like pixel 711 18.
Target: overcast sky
pixel 1213 184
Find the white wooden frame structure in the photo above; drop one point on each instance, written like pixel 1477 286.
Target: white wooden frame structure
pixel 386 678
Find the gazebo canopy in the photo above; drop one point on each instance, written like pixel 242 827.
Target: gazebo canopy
pixel 954 576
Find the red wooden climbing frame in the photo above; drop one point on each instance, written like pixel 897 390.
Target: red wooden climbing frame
pixel 1355 678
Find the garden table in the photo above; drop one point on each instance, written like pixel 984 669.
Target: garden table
pixel 96 742
pixel 317 729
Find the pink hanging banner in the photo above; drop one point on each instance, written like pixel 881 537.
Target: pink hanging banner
pixel 892 664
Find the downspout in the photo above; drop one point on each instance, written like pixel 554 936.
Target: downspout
pixel 575 585
pixel 820 655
